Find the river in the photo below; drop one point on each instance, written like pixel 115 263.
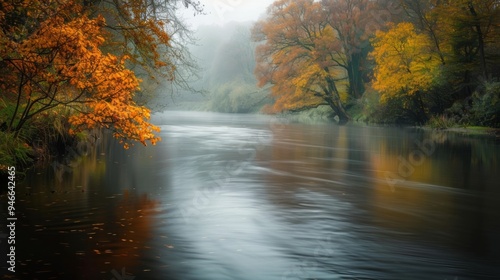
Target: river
pixel 258 197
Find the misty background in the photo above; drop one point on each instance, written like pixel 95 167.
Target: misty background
pixel 224 55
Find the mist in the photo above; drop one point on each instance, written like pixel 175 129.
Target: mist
pixel 225 55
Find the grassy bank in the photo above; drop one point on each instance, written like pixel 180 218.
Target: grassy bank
pixel 359 114
pixel 40 140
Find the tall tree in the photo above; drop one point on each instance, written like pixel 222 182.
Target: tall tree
pixel 420 13
pixel 348 19
pixel 302 57
pixel 470 32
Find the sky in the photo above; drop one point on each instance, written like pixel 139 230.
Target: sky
pixel 223 11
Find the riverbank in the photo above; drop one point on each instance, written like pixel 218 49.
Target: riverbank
pixel 470 130
pixel 42 147
pixel 33 150
pixel 325 114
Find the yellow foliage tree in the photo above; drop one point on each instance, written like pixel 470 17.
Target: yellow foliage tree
pixel 406 64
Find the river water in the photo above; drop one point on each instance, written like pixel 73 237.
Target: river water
pixel 259 197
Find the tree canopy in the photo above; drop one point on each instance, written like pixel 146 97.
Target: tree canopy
pixel 405 62
pixel 53 56
pixel 302 57
pixel 422 57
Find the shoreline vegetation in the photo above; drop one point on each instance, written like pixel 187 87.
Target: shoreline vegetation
pixel 68 68
pixel 323 114
pixel 36 151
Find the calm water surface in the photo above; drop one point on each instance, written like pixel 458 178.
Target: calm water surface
pixel 255 197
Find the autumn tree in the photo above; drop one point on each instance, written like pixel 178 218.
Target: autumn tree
pixel 406 65
pixel 351 21
pixel 301 57
pixel 51 58
pixel 464 34
pixel 155 38
pixel 471 30
pixel 421 13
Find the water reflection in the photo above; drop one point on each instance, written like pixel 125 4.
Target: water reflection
pixel 402 185
pixel 240 197
pixel 77 222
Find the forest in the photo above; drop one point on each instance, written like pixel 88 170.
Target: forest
pixel 408 61
pixel 70 68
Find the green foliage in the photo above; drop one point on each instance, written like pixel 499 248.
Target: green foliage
pixel 482 108
pixel 237 97
pixel 392 111
pixel 41 137
pixel 6 111
pixel 14 151
pixel 402 109
pixel 369 105
pixel 322 113
pixel 442 122
pixel 451 47
pixel 486 105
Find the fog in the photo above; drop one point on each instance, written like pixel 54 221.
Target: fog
pixel 216 73
pixel 225 55
pixel 222 12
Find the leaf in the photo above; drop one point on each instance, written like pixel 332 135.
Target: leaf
pixel 405 64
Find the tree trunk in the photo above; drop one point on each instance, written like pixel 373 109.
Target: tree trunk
pixel 343 118
pixel 356 85
pixel 332 97
pixel 339 110
pixel 480 39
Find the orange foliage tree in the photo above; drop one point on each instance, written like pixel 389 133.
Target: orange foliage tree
pixel 301 57
pixel 51 57
pixel 141 30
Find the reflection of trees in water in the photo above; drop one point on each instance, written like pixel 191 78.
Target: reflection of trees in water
pixel 82 218
pixel 120 238
pixel 318 158
pixel 453 160
pixel 97 233
pixel 355 161
pixel 425 199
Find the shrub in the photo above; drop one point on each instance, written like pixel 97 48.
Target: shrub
pixel 14 151
pixel 237 97
pixel 442 121
pixel 486 105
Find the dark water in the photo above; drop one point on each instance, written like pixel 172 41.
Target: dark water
pixel 253 197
